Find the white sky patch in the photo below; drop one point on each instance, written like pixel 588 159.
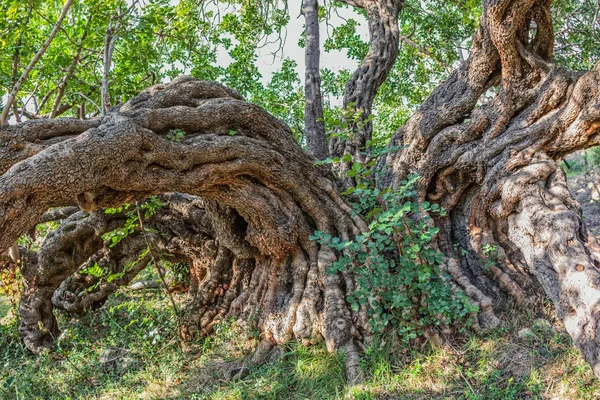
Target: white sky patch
pixel 334 60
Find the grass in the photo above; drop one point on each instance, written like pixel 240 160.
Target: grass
pixel 5 307
pixel 154 365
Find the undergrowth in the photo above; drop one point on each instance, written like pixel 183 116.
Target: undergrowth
pixel 153 364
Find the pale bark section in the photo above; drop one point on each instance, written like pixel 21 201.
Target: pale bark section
pixel 316 140
pixel 14 254
pixel 109 48
pixel 548 228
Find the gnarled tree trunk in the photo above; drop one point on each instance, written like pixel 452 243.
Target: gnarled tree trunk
pixel 361 89
pixel 255 197
pixel 262 213
pixel 495 168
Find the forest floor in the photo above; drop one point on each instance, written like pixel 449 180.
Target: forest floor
pixel 5 307
pixel 528 357
pixel 129 349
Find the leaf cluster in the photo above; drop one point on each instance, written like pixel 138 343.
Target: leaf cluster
pixel 400 283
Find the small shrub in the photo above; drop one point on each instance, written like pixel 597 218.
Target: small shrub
pixel 397 270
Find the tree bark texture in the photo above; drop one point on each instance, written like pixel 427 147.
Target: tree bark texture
pixel 262 213
pixel 361 89
pixel 253 198
pixel 495 168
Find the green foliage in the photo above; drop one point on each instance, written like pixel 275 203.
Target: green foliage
pixel 490 256
pixel 283 96
pixel 143 211
pixel 346 37
pixel 104 275
pixel 176 135
pixel 582 162
pixel 154 43
pixel 180 273
pixel 146 209
pixel 397 269
pixel 342 122
pixel 576 33
pixel 141 324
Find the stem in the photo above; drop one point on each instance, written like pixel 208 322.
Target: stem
pixel 160 274
pixel 316 140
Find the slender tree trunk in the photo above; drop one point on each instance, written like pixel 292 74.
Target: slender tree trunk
pixel 109 47
pixel 56 106
pixel 316 140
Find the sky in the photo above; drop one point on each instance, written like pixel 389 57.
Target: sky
pixel 334 60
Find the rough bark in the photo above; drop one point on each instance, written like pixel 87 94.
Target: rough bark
pixel 76 240
pixel 253 197
pixel 260 208
pixel 314 126
pixel 495 168
pixel 179 232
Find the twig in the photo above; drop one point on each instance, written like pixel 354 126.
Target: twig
pixel 160 274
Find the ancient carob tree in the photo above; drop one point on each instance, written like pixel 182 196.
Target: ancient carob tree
pixel 241 198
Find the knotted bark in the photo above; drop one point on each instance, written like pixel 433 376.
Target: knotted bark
pixel 361 89
pixel 494 167
pixel 265 198
pixel 253 197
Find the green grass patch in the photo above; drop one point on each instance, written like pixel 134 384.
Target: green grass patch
pixel 5 307
pixel 153 364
